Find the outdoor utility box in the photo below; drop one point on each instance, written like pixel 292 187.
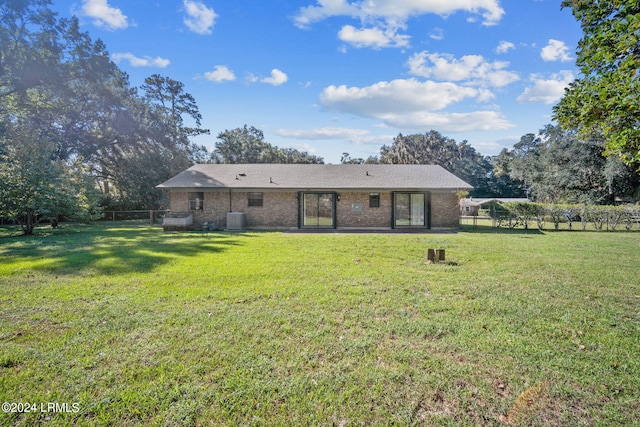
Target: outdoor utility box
pixel 174 221
pixel 236 221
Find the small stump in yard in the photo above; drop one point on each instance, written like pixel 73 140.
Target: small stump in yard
pixel 435 256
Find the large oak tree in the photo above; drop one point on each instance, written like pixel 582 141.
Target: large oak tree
pixel 459 158
pixel 557 166
pixel 66 108
pixel 605 101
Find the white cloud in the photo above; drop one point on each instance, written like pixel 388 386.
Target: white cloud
pixel 396 11
pixel 104 15
pixel 548 91
pixel 277 78
pixel 437 34
pixel 555 50
pixel 251 78
pixel 505 47
pixel 413 104
pixel 220 74
pixel 383 18
pixel 471 69
pixel 200 18
pixel 326 8
pixel 323 133
pixel 402 96
pixel 135 61
pixel 492 147
pixel 302 147
pixel 449 122
pixel 355 136
pixel 373 37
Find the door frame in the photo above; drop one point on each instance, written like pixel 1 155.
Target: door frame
pixel 301 209
pixel 426 209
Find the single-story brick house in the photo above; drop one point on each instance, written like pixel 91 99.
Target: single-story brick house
pixel 308 196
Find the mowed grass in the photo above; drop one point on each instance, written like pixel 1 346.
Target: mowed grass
pixel 141 327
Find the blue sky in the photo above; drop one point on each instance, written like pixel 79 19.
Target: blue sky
pixel 334 76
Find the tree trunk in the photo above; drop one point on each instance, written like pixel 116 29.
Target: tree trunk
pixel 27 227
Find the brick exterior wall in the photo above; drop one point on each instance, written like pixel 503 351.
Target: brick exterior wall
pixel 444 210
pixel 353 210
pixel 280 209
pixel 179 201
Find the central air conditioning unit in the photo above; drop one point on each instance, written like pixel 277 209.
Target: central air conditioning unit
pixel 236 221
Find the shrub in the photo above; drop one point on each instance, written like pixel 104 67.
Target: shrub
pixel 513 214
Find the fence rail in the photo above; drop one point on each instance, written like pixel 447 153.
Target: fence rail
pixel 557 217
pixel 116 215
pixel 152 215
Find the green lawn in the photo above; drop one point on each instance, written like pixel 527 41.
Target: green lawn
pixel 140 327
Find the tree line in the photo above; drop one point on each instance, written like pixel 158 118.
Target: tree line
pixel 76 137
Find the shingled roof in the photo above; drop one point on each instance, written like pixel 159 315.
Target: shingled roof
pixel 315 177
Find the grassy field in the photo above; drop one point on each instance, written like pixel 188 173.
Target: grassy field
pixel 133 326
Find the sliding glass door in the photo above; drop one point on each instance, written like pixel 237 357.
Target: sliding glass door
pixel 410 210
pixel 318 210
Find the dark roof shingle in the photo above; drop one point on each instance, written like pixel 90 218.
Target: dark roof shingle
pixel 310 177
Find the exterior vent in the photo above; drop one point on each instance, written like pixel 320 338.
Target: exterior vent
pixel 236 220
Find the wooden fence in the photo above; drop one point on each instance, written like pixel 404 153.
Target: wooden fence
pixel 153 216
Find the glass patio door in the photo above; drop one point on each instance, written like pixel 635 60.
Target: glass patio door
pixel 318 209
pixel 410 210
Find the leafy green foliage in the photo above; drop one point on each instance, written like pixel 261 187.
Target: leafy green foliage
pixel 523 213
pixel 59 86
pixel 514 214
pixel 461 159
pixel 247 145
pixel 605 100
pixel 152 145
pixel 169 104
pixel 346 159
pixel 28 58
pixel 557 166
pixel 34 186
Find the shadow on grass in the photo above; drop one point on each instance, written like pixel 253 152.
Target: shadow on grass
pixel 99 249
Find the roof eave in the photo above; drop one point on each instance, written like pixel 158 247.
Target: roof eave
pixel 314 189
